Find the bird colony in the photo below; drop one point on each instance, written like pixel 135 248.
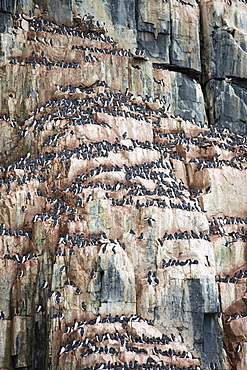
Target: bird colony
pixel 122 226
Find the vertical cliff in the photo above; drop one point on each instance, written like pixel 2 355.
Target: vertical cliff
pixel 123 185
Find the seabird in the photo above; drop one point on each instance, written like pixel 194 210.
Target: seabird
pixel 140 237
pixel 150 220
pixel 20 273
pixel 238 348
pixel 38 308
pixel 92 274
pixel 98 319
pixel 45 284
pixel 227 243
pixel 207 260
pixel 62 269
pixel 89 198
pixel 62 350
pixel 104 247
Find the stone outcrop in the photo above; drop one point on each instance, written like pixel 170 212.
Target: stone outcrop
pixel 190 38
pixel 123 210
pixel 224 62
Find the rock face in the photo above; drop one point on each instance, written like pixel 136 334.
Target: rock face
pixel 123 209
pixel 224 77
pixel 195 40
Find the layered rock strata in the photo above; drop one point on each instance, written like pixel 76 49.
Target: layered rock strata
pixel 205 41
pixel 122 230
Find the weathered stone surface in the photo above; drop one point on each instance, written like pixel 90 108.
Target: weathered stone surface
pixel 120 211
pixel 227 103
pixel 224 62
pixel 169 31
pixel 224 35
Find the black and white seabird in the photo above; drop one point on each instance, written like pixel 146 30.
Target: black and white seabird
pixel 92 274
pixel 20 273
pixel 150 220
pixel 238 348
pixel 45 284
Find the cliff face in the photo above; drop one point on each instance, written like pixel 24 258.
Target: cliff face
pixel 123 205
pixel 195 40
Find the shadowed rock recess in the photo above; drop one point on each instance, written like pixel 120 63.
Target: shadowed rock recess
pixel 123 223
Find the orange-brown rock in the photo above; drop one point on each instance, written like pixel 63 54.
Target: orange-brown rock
pixel 122 211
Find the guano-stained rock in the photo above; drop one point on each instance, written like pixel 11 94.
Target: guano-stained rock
pixel 122 195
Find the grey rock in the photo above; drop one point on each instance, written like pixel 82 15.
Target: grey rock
pixel 227 104
pixel 188 99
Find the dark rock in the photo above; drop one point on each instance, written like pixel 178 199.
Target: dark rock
pixel 228 106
